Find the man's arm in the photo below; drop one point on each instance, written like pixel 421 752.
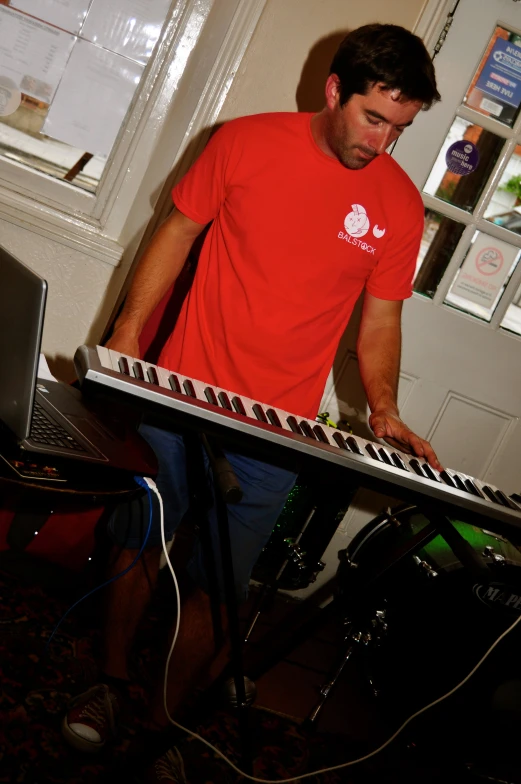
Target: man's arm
pixel 379 348
pixel 157 270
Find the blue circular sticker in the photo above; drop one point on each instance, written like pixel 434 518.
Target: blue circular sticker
pixel 462 157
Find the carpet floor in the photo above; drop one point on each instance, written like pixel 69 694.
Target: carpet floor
pixel 38 680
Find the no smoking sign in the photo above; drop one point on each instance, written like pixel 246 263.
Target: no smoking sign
pixel 489 261
pixel 484 271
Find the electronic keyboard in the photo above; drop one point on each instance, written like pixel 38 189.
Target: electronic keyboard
pixel 270 430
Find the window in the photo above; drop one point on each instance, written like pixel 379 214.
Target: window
pixel 68 76
pixel 471 245
pixel 91 198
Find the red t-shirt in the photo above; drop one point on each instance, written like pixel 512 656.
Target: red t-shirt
pixel 294 239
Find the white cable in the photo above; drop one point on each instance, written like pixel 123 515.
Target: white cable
pixel 371 754
pixel 152 485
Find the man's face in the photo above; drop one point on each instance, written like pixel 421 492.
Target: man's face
pixel 367 124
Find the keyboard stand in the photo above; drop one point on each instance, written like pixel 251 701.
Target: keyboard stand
pixel 227 490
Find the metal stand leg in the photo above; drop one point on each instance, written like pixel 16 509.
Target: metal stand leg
pixel 269 589
pixel 228 490
pixel 355 640
pixel 352 638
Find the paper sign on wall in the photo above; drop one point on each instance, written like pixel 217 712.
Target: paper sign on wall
pixel 93 97
pixel 33 54
pixel 485 270
pixel 67 14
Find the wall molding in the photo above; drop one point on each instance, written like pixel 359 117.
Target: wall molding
pixel 64 229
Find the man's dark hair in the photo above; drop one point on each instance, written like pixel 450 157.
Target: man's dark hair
pixel 388 54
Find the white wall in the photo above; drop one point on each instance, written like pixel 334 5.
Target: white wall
pixel 297 35
pixel 81 288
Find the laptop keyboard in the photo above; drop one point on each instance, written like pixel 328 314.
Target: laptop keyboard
pixel 45 430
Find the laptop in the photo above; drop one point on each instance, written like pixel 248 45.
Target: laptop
pixel 51 418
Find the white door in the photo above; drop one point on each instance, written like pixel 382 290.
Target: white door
pixel 460 383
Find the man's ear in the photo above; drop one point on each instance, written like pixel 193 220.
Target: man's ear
pixel 332 91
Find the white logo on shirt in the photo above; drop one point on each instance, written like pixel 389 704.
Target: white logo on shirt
pixel 356 223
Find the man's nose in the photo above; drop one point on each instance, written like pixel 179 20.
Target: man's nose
pixel 382 142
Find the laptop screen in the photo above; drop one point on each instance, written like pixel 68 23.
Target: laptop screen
pixel 22 308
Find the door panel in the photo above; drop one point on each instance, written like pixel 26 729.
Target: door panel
pixel 460 382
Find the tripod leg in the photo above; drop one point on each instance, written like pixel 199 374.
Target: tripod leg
pixel 327 687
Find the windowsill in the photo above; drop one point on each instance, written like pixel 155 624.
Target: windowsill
pixel 49 157
pixel 65 229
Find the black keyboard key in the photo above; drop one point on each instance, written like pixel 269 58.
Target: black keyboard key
pixel 319 432
pixel 224 400
pixel 505 499
pixel 385 456
pixel 353 445
pixel 152 376
pixel 123 366
pixel 430 473
pixel 189 388
pixel 459 483
pixel 340 440
pixel 238 405
pixel 174 383
pixel 211 396
pixel 369 448
pixel 448 479
pixel 139 371
pixel 45 430
pixel 273 417
pixel 516 498
pixel 416 467
pixel 259 413
pixel 292 422
pixel 398 462
pixel 491 495
pixel 306 429
pixel 471 488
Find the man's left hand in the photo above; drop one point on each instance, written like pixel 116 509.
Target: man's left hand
pixel 390 427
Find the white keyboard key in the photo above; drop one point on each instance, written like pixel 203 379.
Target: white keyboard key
pixel 104 357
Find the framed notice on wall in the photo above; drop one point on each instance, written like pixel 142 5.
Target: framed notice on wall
pixel 485 270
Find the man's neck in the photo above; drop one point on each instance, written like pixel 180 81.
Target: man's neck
pixel 318 123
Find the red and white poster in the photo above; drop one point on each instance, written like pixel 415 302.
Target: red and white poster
pixel 485 270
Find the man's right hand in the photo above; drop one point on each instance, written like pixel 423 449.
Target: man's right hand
pixel 124 341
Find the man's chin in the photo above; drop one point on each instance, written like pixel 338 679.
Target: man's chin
pixel 354 162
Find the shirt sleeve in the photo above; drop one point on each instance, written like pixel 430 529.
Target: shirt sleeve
pixel 201 192
pixel 393 275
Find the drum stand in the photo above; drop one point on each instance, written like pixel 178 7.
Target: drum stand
pixel 369 628
pixel 301 557
pixel 268 591
pixel 355 640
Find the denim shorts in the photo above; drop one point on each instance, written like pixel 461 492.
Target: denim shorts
pixel 265 490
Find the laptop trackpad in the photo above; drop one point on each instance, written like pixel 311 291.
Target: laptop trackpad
pixel 89 427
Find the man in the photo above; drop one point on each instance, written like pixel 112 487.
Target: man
pixel 305 212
